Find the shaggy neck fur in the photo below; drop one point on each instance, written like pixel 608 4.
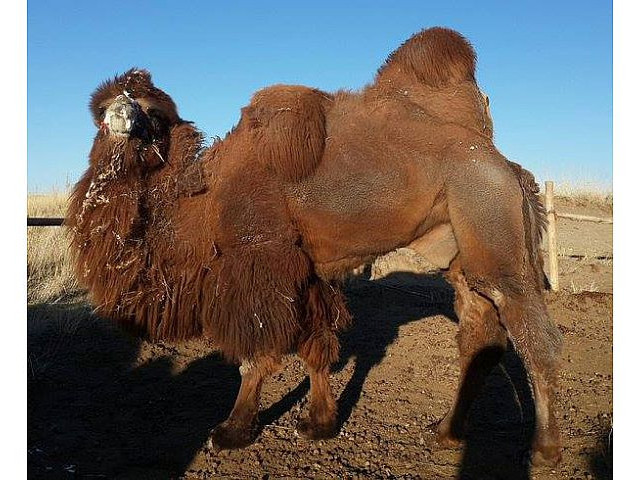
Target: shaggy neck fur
pixel 120 216
pixel 165 257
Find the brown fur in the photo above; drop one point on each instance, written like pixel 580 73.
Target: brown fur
pixel 305 188
pixel 138 83
pixel 288 124
pixel 436 57
pixel 147 264
pixel 482 341
pixel 435 71
pixel 535 218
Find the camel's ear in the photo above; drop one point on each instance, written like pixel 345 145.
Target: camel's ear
pixel 288 123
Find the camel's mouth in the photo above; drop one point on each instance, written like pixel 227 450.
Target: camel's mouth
pixel 122 116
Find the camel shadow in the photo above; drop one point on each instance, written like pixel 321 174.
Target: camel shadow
pixel 97 409
pixel 380 308
pixel 101 404
pixel 501 420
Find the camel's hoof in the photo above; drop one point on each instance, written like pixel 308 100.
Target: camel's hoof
pixel 546 455
pixel 310 430
pixel 446 436
pixel 445 440
pixel 228 436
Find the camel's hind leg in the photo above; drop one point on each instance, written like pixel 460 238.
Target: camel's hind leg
pixel 538 341
pixel 239 430
pixel 488 214
pixel 482 342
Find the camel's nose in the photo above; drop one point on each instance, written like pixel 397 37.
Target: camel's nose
pixel 121 115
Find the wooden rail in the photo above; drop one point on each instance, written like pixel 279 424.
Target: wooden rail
pixel 44 222
pixel 584 218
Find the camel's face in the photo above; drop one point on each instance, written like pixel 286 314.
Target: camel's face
pixel 122 116
pixel 130 106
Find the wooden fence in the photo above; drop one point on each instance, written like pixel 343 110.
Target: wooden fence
pixel 552 233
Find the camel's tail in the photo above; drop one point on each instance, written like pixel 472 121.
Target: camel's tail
pixel 535 221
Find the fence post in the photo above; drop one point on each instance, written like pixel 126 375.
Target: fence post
pixel 552 237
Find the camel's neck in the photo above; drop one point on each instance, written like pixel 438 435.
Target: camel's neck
pixel 122 212
pixel 108 224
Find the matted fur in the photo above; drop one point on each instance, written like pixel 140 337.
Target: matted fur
pixel 288 123
pixel 152 258
pixel 120 216
pixel 137 83
pixel 326 312
pixel 535 218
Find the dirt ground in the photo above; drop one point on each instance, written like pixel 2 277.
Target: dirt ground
pixel 104 405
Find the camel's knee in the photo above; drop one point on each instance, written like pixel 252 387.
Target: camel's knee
pixel 320 350
pixel 261 367
pixel 479 324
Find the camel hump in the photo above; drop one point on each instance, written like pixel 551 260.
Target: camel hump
pixel 436 56
pixel 288 126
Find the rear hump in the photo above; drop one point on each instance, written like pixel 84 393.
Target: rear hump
pixel 436 57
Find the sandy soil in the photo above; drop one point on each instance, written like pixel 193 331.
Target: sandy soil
pixel 103 405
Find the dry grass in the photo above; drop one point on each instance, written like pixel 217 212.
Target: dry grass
pixel 577 287
pixel 585 194
pixel 50 278
pixel 50 331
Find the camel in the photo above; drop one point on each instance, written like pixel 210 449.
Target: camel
pixel 245 242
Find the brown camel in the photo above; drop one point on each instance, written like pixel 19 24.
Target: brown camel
pixel 244 242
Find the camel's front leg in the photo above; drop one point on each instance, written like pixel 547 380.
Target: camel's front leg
pixel 322 420
pixel 240 429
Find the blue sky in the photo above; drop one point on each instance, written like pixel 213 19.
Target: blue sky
pixel 547 67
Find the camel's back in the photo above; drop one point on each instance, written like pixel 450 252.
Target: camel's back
pixel 380 178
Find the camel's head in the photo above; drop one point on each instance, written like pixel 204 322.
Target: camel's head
pixel 131 107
